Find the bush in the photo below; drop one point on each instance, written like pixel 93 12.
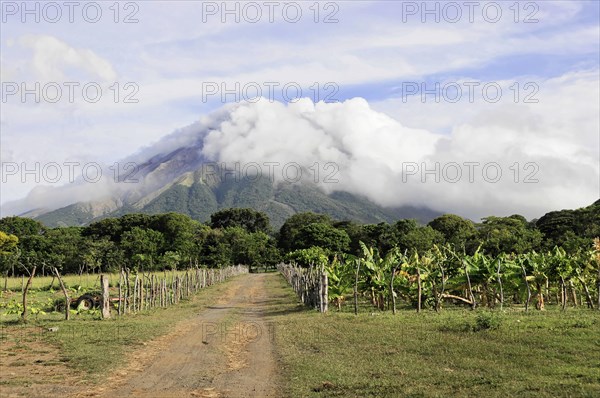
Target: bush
pixel 487 321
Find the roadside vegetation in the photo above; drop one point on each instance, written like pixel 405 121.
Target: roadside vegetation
pixel 455 353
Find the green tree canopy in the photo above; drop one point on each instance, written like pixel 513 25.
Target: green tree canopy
pixel 508 235
pixel 322 235
pixel 8 243
pixel 455 229
pixel 420 240
pixel 21 226
pixel 289 230
pixel 249 219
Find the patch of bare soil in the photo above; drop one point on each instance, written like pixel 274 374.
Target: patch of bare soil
pixel 226 351
pixel 29 367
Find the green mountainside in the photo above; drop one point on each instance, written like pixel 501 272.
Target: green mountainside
pixel 191 194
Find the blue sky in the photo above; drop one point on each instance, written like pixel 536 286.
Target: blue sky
pixel 371 52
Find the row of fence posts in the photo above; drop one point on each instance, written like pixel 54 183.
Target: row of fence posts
pixel 149 291
pixel 310 284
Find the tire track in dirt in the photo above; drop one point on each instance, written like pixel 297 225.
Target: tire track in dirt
pixel 225 351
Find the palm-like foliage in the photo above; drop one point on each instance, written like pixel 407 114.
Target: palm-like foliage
pixel 443 273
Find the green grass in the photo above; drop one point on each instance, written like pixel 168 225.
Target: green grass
pixel 44 295
pixel 84 281
pixel 96 347
pixel 376 354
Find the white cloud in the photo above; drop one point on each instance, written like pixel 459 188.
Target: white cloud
pixel 52 59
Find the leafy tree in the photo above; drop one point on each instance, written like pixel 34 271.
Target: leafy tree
pixel 508 235
pixel 456 230
pixel 67 250
pixel 252 249
pixel 420 240
pixel 214 250
pixel 21 226
pixel 108 227
pixel 570 229
pixel 289 230
pixel 111 256
pixel 170 260
pixel 249 219
pixel 142 245
pixel 381 236
pixel 9 251
pixel 8 243
pixel 403 227
pixel 322 235
pixel 355 233
pixel 312 256
pixel 178 233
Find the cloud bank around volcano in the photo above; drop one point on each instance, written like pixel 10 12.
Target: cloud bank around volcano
pixel 516 159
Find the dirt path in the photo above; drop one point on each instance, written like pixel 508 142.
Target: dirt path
pixel 226 351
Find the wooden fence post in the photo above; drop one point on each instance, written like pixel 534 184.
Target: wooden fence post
pixel 127 290
pixel 325 295
pixel 66 293
pixel 105 297
pixel 25 289
pixel 121 278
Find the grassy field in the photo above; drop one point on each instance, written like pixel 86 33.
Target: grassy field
pixel 84 281
pixel 45 294
pixel 95 347
pixel 374 354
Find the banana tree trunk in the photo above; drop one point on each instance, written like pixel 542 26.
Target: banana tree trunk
pixel 598 288
pixel 563 293
pixel 471 296
pixel 356 289
pixel 435 293
pixel 438 298
pixel 588 297
pixel 499 278
pixel 573 293
pixel 540 298
pixel 485 296
pixel 419 290
pixel 453 297
pixel 392 291
pixel 528 288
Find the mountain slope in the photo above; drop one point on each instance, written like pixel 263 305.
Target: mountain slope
pixel 199 197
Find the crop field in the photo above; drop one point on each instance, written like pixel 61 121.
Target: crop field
pixel 455 353
pixel 46 299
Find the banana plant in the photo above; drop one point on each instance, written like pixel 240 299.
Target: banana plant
pixel 584 272
pixel 339 274
pixel 414 272
pixel 437 271
pixel 561 268
pixel 469 269
pixel 378 271
pixel 539 272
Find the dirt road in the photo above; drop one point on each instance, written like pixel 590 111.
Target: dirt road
pixel 225 351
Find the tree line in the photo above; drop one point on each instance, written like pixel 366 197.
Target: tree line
pixel 244 236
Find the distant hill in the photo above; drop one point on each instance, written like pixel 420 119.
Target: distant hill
pixel 198 196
